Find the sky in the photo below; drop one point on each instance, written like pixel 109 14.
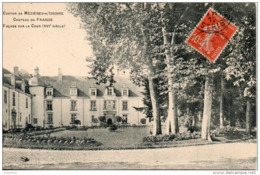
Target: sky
pixel 47 48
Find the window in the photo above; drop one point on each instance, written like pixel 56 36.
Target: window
pixel 93 105
pixel 125 92
pixel 20 117
pixel 93 118
pixel 109 91
pixel 26 103
pixel 35 120
pixel 49 105
pixel 124 118
pixel 29 118
pixel 13 98
pixel 125 105
pixel 5 96
pixel 105 104
pixel 50 119
pixel 109 104
pixel 73 117
pixel 73 106
pixel 93 91
pixel 49 92
pixel 73 91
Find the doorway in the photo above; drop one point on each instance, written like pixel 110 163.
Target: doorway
pixel 109 122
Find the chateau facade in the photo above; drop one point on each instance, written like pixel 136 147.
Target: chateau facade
pixel 62 100
pixel 16 104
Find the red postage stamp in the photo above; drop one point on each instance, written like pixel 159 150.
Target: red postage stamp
pixel 211 35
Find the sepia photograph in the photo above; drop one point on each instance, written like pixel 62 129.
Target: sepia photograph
pixel 129 86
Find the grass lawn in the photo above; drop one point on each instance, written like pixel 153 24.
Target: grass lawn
pixel 121 138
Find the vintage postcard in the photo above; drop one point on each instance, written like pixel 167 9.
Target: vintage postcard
pixel 129 86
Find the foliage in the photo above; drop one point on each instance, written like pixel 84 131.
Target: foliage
pixel 118 119
pixel 102 119
pixel 113 127
pixel 77 122
pixel 229 133
pixel 50 141
pixel 143 121
pixel 168 138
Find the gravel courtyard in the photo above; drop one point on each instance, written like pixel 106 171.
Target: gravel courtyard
pixel 216 156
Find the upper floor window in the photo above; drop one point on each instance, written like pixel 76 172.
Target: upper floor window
pixel 13 98
pixel 125 105
pixel 93 106
pixel 26 103
pixel 109 104
pixel 73 105
pixel 93 91
pixel 49 105
pixel 125 92
pixel 49 92
pixel 110 91
pixel 73 91
pixel 50 118
pixel 5 96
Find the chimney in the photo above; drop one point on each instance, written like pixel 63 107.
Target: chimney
pixel 59 74
pixel 36 72
pixel 13 80
pixel 16 70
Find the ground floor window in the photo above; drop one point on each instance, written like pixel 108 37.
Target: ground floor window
pixel 73 117
pixel 50 118
pixel 124 118
pixel 35 120
pixel 93 119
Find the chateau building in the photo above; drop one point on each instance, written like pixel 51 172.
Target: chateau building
pixel 16 104
pixel 61 100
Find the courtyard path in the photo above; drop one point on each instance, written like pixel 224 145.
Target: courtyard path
pixel 216 156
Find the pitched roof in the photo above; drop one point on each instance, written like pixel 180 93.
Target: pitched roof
pixel 62 87
pixel 7 80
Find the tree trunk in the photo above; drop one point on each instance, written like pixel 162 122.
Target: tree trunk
pixel 194 120
pixel 199 116
pixel 221 110
pixel 248 117
pixel 155 105
pixel 231 111
pixel 153 89
pixel 172 119
pixel 205 130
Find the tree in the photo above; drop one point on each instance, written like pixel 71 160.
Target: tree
pixel 115 41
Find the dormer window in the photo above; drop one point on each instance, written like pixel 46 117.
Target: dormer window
pixel 125 91
pixel 73 91
pixel 49 91
pixel 110 91
pixel 93 91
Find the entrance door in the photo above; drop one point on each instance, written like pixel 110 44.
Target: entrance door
pixel 109 122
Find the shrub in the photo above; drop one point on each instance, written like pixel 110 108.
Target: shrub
pixel 143 121
pixel 193 128
pixel 94 120
pixel 118 119
pixel 102 119
pixel 228 132
pixel 113 127
pixel 29 127
pixel 77 122
pixel 159 138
